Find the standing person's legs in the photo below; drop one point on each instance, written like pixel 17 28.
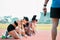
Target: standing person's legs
pixel 55 22
pixel 55 15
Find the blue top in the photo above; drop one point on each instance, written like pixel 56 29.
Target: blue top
pixel 55 4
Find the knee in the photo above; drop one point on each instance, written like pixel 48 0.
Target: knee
pixel 55 25
pixel 16 37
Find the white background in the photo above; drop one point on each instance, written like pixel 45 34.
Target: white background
pixel 20 8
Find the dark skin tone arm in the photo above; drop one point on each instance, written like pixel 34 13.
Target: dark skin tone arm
pixel 46 1
pixel 45 9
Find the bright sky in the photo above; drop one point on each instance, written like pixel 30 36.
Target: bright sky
pixel 20 8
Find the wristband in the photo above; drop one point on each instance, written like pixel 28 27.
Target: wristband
pixel 45 5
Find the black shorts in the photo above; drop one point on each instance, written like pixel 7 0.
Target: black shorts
pixel 10 28
pixel 55 12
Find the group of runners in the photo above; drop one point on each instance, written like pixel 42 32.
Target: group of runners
pixel 22 27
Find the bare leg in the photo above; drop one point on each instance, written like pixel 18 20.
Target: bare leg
pixel 18 30
pixel 14 34
pixel 33 30
pixel 23 32
pixel 54 27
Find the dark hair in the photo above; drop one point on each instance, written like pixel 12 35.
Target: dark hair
pixel 34 18
pixel 26 18
pixel 26 25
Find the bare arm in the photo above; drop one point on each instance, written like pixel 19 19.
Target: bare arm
pixel 19 24
pixel 45 3
pixel 45 9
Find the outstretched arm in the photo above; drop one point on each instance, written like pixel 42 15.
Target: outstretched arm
pixel 45 9
pixel 45 3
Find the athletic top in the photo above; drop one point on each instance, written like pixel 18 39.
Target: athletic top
pixel 55 4
pixel 15 23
